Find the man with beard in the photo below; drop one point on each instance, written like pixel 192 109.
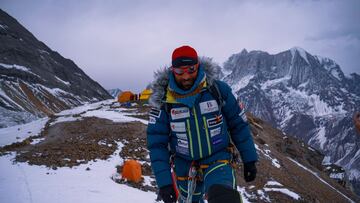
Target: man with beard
pixel 194 121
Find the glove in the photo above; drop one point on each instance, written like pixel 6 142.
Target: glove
pixel 167 193
pixel 250 171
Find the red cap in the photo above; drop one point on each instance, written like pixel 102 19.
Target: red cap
pixel 184 56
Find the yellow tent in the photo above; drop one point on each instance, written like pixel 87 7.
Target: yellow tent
pixel 145 94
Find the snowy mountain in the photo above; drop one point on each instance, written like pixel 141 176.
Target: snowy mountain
pixel 305 96
pixel 114 92
pixel 84 162
pixel 36 81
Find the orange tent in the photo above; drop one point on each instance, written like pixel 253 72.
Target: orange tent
pixel 132 171
pixel 126 96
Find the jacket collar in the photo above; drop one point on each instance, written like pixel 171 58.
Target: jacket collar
pixel 162 78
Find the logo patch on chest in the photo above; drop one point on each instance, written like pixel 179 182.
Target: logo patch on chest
pixel 215 131
pixel 212 122
pixel 152 120
pixel 178 113
pixel 209 106
pixel 178 126
pixel 183 143
pixel 181 136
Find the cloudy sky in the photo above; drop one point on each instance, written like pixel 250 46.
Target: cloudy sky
pixel 121 43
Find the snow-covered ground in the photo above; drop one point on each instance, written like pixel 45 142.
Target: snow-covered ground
pixel 100 110
pixel 20 132
pixel 21 182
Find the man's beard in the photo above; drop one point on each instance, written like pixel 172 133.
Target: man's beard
pixel 186 84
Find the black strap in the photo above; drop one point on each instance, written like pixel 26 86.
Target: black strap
pixel 215 92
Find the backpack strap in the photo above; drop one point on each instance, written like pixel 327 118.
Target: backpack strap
pixel 167 106
pixel 215 92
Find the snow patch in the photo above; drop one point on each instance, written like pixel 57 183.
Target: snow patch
pixel 263 196
pixel 7 99
pixel 55 91
pixel 337 176
pixel 273 183
pixel 102 110
pixel 354 174
pixel 266 153
pixel 284 191
pixel 65 119
pixel 271 83
pixel 18 67
pixel 83 108
pixel 18 133
pixel 243 82
pixel 43 51
pixel 320 137
pixel 65 82
pixel 245 196
pixel 66 184
pixel 335 73
pixel 112 115
pixel 326 161
pixel 3 27
pixel 37 140
pixel 344 90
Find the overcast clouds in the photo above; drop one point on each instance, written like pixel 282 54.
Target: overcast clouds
pixel 121 43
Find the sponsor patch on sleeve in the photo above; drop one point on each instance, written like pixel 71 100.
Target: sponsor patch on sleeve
pixel 155 112
pixel 178 113
pixel 209 106
pixel 243 116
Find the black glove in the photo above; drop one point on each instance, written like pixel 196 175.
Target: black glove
pixel 167 193
pixel 250 171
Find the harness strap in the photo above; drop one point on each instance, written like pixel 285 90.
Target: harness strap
pixel 201 166
pixel 205 166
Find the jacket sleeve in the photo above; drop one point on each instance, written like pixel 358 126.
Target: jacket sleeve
pixel 157 143
pixel 238 128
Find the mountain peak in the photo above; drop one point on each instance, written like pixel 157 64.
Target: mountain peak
pixel 301 52
pixel 244 52
pixel 45 81
pixel 312 101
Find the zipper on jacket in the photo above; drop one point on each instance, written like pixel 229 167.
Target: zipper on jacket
pixel 198 132
pixel 207 135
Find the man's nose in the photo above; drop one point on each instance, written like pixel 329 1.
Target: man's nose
pixel 186 76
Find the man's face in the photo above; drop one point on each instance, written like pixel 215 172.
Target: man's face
pixel 186 76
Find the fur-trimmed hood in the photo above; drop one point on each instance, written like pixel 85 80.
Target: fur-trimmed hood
pixel 161 79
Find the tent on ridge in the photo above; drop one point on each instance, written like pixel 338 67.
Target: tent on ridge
pixel 126 96
pixel 145 94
